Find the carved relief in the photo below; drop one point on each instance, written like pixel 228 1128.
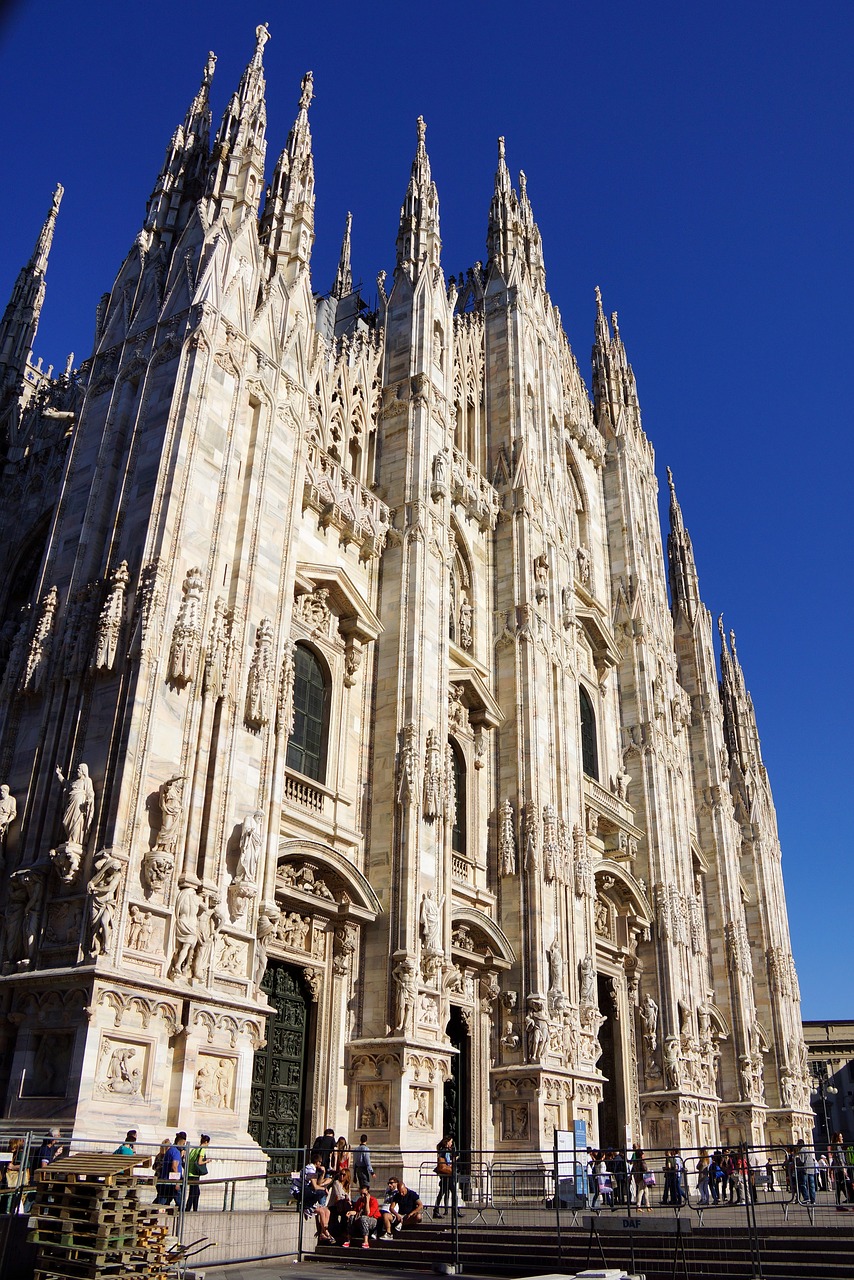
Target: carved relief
pixel 551 844
pixel 584 879
pixel 110 621
pixel 260 678
pixel 122 1071
pixel 213 1088
pixel 515 1122
pixel 407 790
pixel 187 632
pixel 285 699
pixel 313 611
pixel 38 657
pixel 420 1107
pixel 458 716
pixel 506 839
pixel 374 1106
pixel 138 935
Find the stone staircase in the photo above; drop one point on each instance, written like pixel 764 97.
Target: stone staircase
pixel 787 1253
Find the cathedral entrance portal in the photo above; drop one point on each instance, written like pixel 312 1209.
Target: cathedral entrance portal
pixel 612 1111
pixel 277 1103
pixel 457 1093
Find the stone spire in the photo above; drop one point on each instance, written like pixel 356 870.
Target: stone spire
pixel 531 241
pixel 503 215
pixel 682 571
pixel 343 284
pixel 184 172
pixel 418 240
pixel 287 223
pixel 236 174
pixel 740 731
pixel 614 386
pixel 20 321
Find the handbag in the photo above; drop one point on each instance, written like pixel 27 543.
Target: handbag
pixel 443 1168
pixel 649 1179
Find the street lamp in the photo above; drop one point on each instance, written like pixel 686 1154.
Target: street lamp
pixel 823 1091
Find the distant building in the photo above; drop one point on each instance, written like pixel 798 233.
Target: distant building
pixel 830 1050
pixel 363 772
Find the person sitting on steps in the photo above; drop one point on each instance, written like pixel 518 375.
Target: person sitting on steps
pixel 405 1209
pixel 362 1219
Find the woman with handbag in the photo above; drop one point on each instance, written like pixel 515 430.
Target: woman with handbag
pixel 445 1171
pixel 640 1173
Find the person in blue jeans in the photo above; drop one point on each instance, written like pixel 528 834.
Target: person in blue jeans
pixel 805 1164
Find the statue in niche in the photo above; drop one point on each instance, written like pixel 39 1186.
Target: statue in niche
pixel 555 959
pixel 8 814
pixel 537 1027
pixel 541 577
pixel 648 1013
pixel 510 1039
pixel 408 786
pixel 187 905
pixel 430 920
pixel 466 615
pixel 587 982
pixel 420 1117
pixel 170 799
pixel 79 808
pixel 103 890
pixel 671 1062
pixel 139 928
pixel 260 675
pixel 23 914
pixel 250 849
pixel 582 558
pixel 216 658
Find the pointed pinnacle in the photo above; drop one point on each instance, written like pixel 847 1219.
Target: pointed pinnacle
pixel 422 132
pixel 721 629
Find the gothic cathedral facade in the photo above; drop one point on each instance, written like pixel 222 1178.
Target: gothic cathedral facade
pixel 361 766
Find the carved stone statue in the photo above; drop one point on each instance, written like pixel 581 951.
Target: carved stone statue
pixel 103 890
pixel 260 677
pixel 218 651
pixel 648 1013
pixel 430 920
pixel 506 839
pixel 250 848
pixel 555 959
pixel 110 621
pixel 407 790
pixel 268 916
pixel 510 1039
pixel 66 859
pixel 139 928
pixel 187 905
pixel 671 1062
pixel 156 870
pixel 79 810
pixel 8 814
pixel 210 921
pixel 433 776
pixel 171 803
pixel 537 1027
pixel 405 993
pixel 551 843
pixel 587 982
pixel 466 615
pixel 541 576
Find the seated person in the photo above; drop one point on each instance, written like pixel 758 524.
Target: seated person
pixel 404 1208
pixel 339 1202
pixel 317 1186
pixel 362 1219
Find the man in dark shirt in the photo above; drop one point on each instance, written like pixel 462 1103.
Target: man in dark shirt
pixel 404 1208
pixel 322 1148
pixel 168 1184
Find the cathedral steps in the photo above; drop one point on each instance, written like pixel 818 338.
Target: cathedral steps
pixel 787 1253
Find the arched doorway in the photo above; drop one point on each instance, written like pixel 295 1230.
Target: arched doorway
pixel 457 1092
pixel 611 1109
pixel 277 1102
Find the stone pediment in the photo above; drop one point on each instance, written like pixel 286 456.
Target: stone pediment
pixel 478 939
pixel 355 616
pixel 311 874
pixel 484 711
pixel 593 620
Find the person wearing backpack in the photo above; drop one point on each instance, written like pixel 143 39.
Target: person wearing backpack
pixel 197 1167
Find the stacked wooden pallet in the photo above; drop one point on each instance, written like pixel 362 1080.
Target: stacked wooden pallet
pixel 88 1222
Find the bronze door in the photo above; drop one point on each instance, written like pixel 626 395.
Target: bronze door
pixel 278 1070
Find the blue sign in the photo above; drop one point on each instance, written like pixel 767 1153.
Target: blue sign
pixel 579 1129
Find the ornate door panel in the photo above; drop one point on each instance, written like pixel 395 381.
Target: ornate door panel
pixel 276 1105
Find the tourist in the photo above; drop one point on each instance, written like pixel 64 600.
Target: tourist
pixel 806 1167
pixel 340 1202
pixel 339 1161
pixel 404 1209
pixel 601 1181
pixel 171 1171
pixel 837 1165
pixel 716 1174
pixel 447 1191
pixel 640 1173
pixel 322 1148
pixel 362 1219
pixel 362 1167
pixel 197 1167
pixel 128 1147
pixel 316 1195
pixel 672 1191
pixel 703 1175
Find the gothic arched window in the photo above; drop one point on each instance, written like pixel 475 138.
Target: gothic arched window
pixel 458 817
pixel 589 751
pixel 307 743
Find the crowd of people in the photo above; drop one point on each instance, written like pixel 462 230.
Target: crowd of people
pixel 723 1176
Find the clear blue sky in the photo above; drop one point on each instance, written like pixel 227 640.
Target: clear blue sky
pixel 693 160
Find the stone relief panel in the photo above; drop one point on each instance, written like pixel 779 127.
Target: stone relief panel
pixel 123 1069
pixel 374 1106
pixel 63 922
pixel 515 1121
pixel 213 1088
pixel 420 1112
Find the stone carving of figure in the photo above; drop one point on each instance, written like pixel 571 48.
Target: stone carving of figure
pixel 8 814
pixel 541 577
pixel 103 890
pixel 405 993
pixel 66 859
pixel 222 1083
pixel 648 1012
pixel 555 967
pixel 537 1027
pixel 506 839
pixel 532 858
pixel 139 928
pixel 119 1077
pixel 408 786
pixel 430 921
pixel 156 869
pixel 41 644
pixel 79 809
pixel 250 848
pixel 285 699
pixel 745 1071
pixel 203 1086
pixel 268 916
pixel 582 557
pixel 216 658
pixel 440 474
pixel 466 614
pixel 583 864
pixel 587 982
pixel 433 776
pixel 110 621
pixel 171 802
pixel 510 1039
pixel 210 921
pixel 621 785
pixel 16 904
pixel 671 1062
pixel 187 906
pixel 450 786
pixel 420 1117
pixel 260 676
pixel 186 636
pixel 551 844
